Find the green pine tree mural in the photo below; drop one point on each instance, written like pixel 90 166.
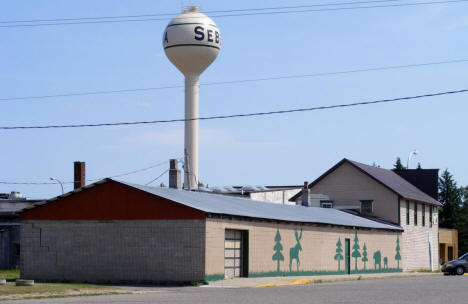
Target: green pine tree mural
pixel 397 255
pixel 356 254
pixel 338 255
pixel 364 255
pixel 278 256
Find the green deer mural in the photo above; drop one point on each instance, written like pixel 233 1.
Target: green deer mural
pixel 338 255
pixel 294 251
pixel 356 254
pixel 397 255
pixel 278 256
pixel 377 260
pixel 385 263
pixel 364 255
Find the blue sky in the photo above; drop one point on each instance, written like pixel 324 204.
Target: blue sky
pixel 270 150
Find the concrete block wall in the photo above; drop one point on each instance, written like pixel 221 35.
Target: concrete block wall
pixel 113 251
pixel 319 246
pixel 416 251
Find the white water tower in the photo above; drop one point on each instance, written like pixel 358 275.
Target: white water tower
pixel 192 42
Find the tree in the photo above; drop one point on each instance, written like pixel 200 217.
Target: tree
pixel 338 255
pixel 162 185
pixel 419 166
pixel 451 198
pixel 364 255
pixel 356 254
pixel 278 256
pixel 462 224
pixel 398 165
pixel 397 255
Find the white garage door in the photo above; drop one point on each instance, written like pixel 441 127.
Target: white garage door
pixel 233 253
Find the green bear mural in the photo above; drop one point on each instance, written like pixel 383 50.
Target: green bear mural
pixel 294 251
pixel 356 254
pixel 377 260
pixel 338 255
pixel 278 256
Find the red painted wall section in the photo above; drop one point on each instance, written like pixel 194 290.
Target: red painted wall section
pixel 112 201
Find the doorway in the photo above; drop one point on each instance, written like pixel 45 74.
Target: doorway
pixel 235 253
pixel 347 256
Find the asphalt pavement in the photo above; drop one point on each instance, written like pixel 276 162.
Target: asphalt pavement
pixel 414 290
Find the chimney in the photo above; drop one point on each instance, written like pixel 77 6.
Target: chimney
pixel 174 175
pixel 305 194
pixel 79 175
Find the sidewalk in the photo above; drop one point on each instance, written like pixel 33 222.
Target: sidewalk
pixel 301 280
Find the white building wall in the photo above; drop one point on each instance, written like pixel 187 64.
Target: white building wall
pixel 416 249
pixel 279 196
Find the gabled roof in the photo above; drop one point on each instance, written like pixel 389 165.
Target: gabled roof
pixel 228 205
pixel 387 178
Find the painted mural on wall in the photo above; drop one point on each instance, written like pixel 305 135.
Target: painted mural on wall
pixel 377 257
pixel 339 255
pixel 397 255
pixel 294 251
pixel 278 256
pixel 364 255
pixel 356 254
pixel 360 255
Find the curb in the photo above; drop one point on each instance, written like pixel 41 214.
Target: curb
pixel 297 282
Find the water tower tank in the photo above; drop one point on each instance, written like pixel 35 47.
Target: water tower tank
pixel 192 42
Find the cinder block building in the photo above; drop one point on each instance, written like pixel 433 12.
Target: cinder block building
pixel 383 194
pixel 112 231
pixel 10 205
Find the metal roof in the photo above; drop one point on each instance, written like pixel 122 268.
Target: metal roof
pixel 396 183
pixel 227 205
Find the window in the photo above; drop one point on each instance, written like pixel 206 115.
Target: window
pixel 366 207
pixel 423 220
pixel 407 212
pixel 430 216
pixel 326 204
pixel 415 214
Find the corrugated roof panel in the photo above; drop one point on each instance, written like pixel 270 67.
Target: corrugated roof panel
pixel 220 204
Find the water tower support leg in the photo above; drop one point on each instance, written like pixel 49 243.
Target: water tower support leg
pixel 191 133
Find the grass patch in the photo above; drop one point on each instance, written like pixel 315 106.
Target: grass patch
pixel 318 281
pixel 10 275
pixel 427 270
pixel 52 289
pixel 20 297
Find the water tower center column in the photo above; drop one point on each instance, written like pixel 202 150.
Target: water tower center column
pixel 191 132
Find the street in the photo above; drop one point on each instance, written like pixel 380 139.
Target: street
pixel 425 289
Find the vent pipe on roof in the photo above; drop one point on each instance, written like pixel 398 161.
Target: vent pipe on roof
pixel 174 175
pixel 79 176
pixel 305 194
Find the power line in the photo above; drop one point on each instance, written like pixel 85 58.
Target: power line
pixel 159 176
pixel 407 98
pixel 297 76
pixel 238 14
pixel 88 180
pixel 206 12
